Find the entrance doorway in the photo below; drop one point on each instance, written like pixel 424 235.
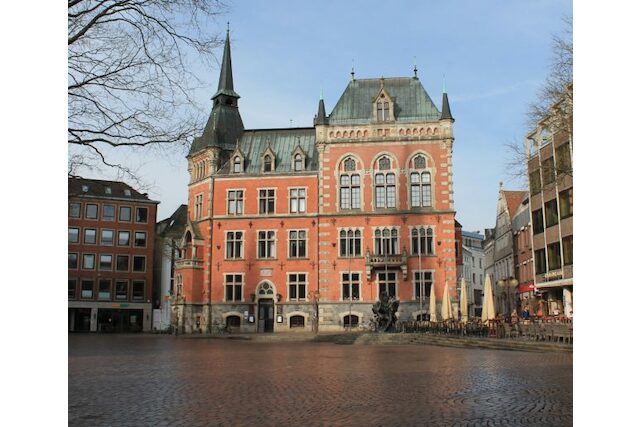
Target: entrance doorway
pixel 265 315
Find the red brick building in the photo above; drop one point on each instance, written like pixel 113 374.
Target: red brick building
pixel 111 238
pixel 305 228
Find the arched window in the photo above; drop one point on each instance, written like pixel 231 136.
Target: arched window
pixel 233 321
pixel 296 321
pixel 384 163
pixel 419 162
pixel 349 186
pixel 386 242
pixel 350 243
pixel 237 164
pixel 422 241
pixel 268 163
pixel 265 290
pixel 350 321
pixel 297 162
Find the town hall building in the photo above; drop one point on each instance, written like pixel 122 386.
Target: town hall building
pixel 306 228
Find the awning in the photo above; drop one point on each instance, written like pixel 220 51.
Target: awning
pixel 555 283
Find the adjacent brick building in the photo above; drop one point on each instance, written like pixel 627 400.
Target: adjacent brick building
pixel 550 167
pixel 111 238
pixel 304 228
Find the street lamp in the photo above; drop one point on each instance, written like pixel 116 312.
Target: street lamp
pixel 514 285
pixel 502 294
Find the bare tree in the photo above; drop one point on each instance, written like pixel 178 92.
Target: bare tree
pixel 551 96
pixel 130 82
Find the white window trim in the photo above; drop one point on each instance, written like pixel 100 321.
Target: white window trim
pixel 359 273
pixel 413 281
pixel 306 243
pixel 275 245
pixel 146 238
pixel 381 228
pixel 306 285
pixel 113 239
pixel 133 257
pixel 198 213
pixel 95 267
pixel 242 283
pixel 347 229
pixel 377 296
pixel 226 254
pixel 306 200
pixel 433 229
pixel 100 262
pixel 244 199
pixel 275 201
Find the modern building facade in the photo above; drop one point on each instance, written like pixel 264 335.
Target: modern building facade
pixel 473 270
pixel 523 257
pixel 305 228
pixel 550 167
pixel 111 235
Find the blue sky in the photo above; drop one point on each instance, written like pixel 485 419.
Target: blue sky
pixel 493 54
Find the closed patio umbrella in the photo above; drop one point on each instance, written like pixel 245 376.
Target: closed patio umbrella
pixel 488 308
pixel 433 316
pixel 464 307
pixel 447 312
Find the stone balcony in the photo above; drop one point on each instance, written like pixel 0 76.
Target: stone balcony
pixel 386 261
pixel 189 263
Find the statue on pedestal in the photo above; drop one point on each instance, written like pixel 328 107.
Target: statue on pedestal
pixel 385 313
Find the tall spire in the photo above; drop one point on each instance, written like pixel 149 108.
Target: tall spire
pixel 321 118
pixel 446 111
pixel 225 84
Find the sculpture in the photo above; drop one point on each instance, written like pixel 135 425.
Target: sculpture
pixel 385 313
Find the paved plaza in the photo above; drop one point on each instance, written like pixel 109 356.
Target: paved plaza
pixel 157 380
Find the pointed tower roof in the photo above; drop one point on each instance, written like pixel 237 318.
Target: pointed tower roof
pixel 446 111
pixel 321 118
pixel 225 84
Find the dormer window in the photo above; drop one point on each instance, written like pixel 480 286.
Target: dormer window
pixel 107 190
pixel 383 106
pixel 268 163
pixel 298 158
pixel 85 188
pixel 237 164
pixel 297 162
pixel 383 110
pixel 127 192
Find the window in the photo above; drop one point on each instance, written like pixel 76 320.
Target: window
pixel 86 291
pixel 108 213
pixel 386 242
pixel 298 162
pixel 127 192
pixel 382 107
pixel 541 261
pixel 566 203
pixel 233 287
pixel 74 235
pixel 385 185
pixel 553 250
pixel 548 171
pixel 297 244
pixel 74 210
pixel 297 286
pixel 266 244
pixel 296 321
pixel 422 241
pixel 563 158
pixel 90 236
pixel 137 290
pixel 124 238
pixel 122 262
pixel 125 214
pixel 268 163
pixel 198 207
pixel 349 186
pixel 551 213
pixel 139 263
pixel 350 321
pixel 350 243
pixel 234 245
pixel 384 164
pixel 72 288
pixel 297 200
pixel 88 261
pixel 141 215
pixel 567 250
pixel 351 286
pixel 387 284
pixel 73 260
pixel 91 211
pixel 106 237
pixel 420 189
pixel 538 221
pixel 122 290
pixel 140 240
pixel 104 289
pixel 422 284
pixel 237 164
pixel 534 181
pixel 106 262
pixel 179 284
pixel 267 201
pixel 233 321
pixel 235 202
pixel 419 162
pixel 107 190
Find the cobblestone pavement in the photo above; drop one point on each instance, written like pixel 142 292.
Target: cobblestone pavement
pixel 147 380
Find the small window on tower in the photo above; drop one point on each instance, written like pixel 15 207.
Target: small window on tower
pixel 267 163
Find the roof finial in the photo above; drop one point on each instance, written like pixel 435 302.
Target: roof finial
pixel 353 72
pixel 227 27
pixel 444 86
pixel 321 93
pixel 381 82
pixel 415 68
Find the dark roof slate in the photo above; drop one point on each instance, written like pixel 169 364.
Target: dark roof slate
pixel 98 188
pixel 174 226
pixel 412 103
pixel 282 142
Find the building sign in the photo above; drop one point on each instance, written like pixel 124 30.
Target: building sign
pixel 266 272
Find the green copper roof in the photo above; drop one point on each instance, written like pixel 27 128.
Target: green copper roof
pixel 282 142
pixel 412 103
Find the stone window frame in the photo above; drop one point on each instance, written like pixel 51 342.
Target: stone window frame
pixel 268 152
pixel 113 235
pixel 115 290
pixel 83 263
pixel 101 281
pixel 350 282
pixel 386 281
pixel 350 186
pixel 382 228
pixel 82 290
pixel 266 240
pixel 104 217
pixel 427 289
pixel 433 239
pixel 233 283
pixel 305 240
pixel 120 213
pixel 237 201
pixel 120 256
pixel 135 238
pixel 133 289
pixel 240 256
pixel 79 205
pixel 298 151
pixel 297 199
pixel 77 263
pixel 267 198
pixel 128 238
pixel 75 287
pixel 77 240
pixel 110 268
pixel 146 221
pixel 429 168
pixel 298 284
pixel 86 211
pixel 197 206
pixel 133 263
pixel 378 105
pixel 385 173
pixel 347 239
